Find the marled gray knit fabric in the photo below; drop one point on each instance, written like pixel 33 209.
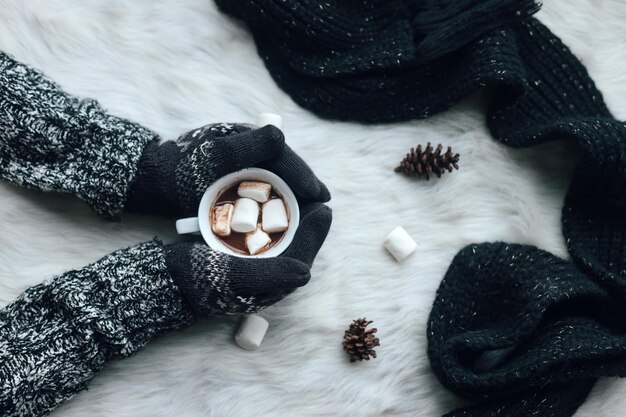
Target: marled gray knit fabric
pixel 51 141
pixel 57 335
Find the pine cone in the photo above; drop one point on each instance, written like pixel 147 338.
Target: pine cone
pixel 358 342
pixel 420 163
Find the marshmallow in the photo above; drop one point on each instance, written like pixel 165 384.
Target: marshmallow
pixel 264 119
pixel 251 332
pixel 399 243
pixel 245 217
pixel 258 191
pixel 220 223
pixel 256 241
pixel 274 218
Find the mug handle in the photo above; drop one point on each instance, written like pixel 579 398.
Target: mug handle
pixel 187 225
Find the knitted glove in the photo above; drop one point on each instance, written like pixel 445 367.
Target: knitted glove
pixel 218 284
pixel 172 176
pixel 57 335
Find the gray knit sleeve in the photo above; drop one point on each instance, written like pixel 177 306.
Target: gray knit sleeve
pixel 51 141
pixel 57 335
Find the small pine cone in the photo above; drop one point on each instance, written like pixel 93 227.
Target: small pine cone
pixel 358 342
pixel 423 163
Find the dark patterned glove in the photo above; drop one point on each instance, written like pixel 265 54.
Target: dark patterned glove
pixel 52 141
pixel 172 176
pixel 217 284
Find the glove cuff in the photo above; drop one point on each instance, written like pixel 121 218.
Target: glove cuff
pixel 111 148
pixel 201 275
pixel 154 190
pixel 216 284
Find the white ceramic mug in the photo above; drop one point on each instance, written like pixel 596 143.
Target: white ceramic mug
pixel 202 223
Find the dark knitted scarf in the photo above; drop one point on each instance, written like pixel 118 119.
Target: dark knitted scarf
pixel 515 329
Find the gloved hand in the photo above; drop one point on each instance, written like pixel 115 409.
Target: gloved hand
pixel 52 141
pixel 172 176
pixel 215 283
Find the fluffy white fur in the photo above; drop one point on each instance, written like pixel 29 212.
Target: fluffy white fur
pixel 176 65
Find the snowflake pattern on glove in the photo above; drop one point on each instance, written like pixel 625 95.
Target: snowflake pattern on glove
pixel 196 171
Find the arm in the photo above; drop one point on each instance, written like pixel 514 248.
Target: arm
pixel 57 335
pixel 51 141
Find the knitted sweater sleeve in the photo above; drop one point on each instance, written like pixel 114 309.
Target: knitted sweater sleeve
pixel 57 335
pixel 51 141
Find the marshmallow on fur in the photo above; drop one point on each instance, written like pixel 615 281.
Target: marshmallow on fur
pixel 251 332
pixel 399 243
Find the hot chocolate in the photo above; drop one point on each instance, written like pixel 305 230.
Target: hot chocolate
pixel 249 217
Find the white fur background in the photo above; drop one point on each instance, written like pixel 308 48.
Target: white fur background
pixel 176 65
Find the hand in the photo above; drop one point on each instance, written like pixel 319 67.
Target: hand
pixel 218 284
pixel 172 176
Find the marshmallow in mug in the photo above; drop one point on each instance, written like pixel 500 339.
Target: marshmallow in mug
pixel 274 216
pixel 257 240
pixel 245 217
pixel 258 191
pixel 222 217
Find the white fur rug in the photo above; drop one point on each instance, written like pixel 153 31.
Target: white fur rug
pixel 176 65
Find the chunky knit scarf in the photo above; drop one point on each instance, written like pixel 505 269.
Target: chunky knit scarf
pixel 513 328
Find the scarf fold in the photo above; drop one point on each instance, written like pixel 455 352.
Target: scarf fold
pixel 513 328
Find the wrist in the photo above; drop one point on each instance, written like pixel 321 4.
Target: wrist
pixel 153 189
pixel 201 275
